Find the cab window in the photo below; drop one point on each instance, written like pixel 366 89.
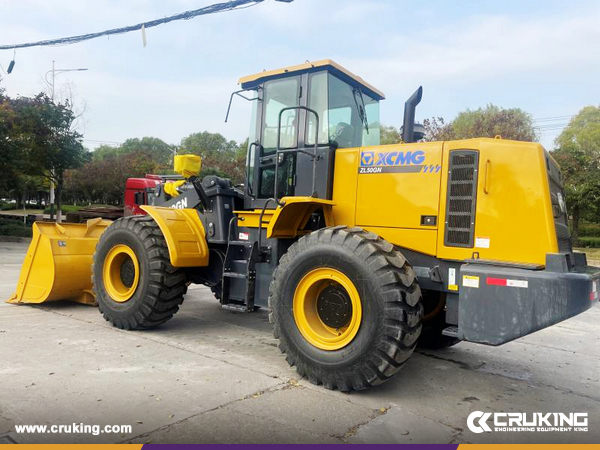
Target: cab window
pixel 280 94
pixel 344 113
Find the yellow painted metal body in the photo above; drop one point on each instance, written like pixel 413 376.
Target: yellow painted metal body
pixel 514 210
pixel 187 165
pixel 294 215
pixel 288 220
pixel 306 314
pixel 251 218
pixel 170 187
pixel 58 263
pixel 184 233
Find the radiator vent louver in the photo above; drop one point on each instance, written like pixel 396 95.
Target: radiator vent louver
pixel 462 196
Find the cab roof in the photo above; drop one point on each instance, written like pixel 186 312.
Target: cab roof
pixel 252 81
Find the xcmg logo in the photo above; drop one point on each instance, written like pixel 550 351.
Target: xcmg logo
pixel 370 159
pixel 391 162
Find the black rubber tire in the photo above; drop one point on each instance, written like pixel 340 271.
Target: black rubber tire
pixel 390 299
pixel 431 335
pixel 161 286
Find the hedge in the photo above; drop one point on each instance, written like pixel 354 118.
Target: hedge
pixel 64 208
pixel 13 206
pixel 589 229
pixel 589 241
pixel 10 227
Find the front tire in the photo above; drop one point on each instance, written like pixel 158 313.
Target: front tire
pixel 325 283
pixel 134 283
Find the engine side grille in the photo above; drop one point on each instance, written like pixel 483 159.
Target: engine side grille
pixel 462 198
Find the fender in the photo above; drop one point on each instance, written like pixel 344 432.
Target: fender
pixel 294 215
pixel 184 233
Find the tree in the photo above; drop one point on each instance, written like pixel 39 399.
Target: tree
pixel 390 135
pixel 110 174
pixel 436 129
pixel 46 143
pixel 578 154
pixel 490 122
pixel 493 121
pixel 206 144
pixel 9 160
pixel 104 151
pixel 157 149
pixel 220 156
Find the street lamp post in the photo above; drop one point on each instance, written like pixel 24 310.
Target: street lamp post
pixel 54 72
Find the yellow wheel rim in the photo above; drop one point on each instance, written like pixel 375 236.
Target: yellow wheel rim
pixel 327 309
pixel 121 273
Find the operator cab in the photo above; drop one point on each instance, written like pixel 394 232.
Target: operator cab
pixel 292 108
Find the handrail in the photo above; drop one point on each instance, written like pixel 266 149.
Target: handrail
pixel 260 221
pixel 486 184
pixel 249 189
pixel 314 156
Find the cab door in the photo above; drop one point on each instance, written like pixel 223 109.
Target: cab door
pixel 277 95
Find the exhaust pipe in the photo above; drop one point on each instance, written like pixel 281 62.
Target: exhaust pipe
pixel 408 129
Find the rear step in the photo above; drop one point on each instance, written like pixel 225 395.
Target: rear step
pixel 450 332
pixel 234 275
pixel 235 307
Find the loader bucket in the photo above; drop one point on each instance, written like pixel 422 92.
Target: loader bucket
pixel 58 264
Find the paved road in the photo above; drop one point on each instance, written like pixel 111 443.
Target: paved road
pixel 213 376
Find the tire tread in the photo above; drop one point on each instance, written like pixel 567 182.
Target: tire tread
pixel 401 305
pixel 166 285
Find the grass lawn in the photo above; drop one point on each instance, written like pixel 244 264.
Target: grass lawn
pixel 20 212
pixel 592 253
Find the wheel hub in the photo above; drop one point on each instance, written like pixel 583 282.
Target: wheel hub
pixel 327 308
pixel 127 273
pixel 121 273
pixel 334 306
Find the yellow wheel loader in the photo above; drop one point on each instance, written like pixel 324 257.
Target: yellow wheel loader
pixel 360 251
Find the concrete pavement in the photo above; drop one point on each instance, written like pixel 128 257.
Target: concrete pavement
pixel 210 376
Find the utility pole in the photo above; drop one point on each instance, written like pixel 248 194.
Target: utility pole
pixel 54 72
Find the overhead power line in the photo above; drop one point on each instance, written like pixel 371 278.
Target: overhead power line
pixel 211 9
pixel 101 142
pixel 553 119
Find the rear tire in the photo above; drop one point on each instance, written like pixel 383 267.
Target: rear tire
pixel 389 303
pixel 159 288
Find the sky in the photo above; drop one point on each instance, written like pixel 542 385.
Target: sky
pixel 541 56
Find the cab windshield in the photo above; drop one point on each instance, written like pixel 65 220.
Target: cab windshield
pixel 343 120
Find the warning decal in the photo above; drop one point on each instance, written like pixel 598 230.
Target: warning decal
pixel 470 281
